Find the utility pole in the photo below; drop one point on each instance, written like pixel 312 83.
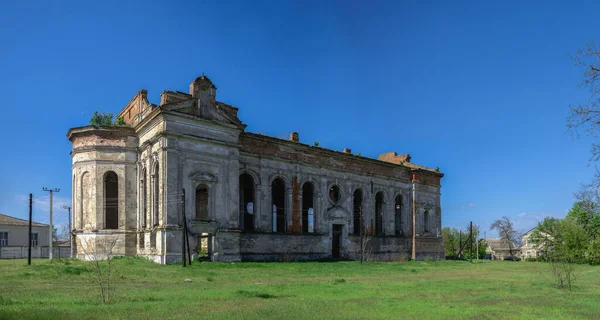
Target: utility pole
pixel 183 258
pixel 51 193
pixel 477 238
pixel 471 242
pixel 69 208
pixel 30 216
pixel 414 216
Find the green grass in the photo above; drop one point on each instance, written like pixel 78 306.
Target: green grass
pixel 64 289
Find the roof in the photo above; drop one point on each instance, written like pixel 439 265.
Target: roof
pixel 498 243
pixel 12 221
pixel 528 232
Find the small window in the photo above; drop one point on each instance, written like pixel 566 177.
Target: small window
pixel 334 194
pixel 3 239
pixel 34 239
pixel 426 221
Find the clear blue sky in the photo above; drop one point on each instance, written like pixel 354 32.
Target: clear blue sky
pixel 479 89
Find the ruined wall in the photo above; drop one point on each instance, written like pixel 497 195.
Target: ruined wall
pixel 266 158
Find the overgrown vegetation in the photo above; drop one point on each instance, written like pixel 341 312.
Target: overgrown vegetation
pixel 297 290
pixel 453 240
pixel 105 120
pixel 101 267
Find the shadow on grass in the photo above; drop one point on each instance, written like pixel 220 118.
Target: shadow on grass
pixel 253 294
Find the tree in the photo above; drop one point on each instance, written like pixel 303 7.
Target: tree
pixel 101 119
pixel 587 215
pixel 586 116
pixel 450 238
pixel 563 243
pixel 101 252
pixel 507 233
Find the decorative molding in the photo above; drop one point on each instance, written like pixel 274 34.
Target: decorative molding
pixel 202 176
pixel 338 212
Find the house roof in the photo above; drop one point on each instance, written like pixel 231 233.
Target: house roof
pixel 528 232
pixel 12 221
pixel 498 244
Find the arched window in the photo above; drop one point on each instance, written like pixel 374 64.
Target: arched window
pixel 111 200
pixel 144 198
pixel 426 221
pixel 201 202
pixel 308 211
pixel 358 196
pixel 156 193
pixel 246 202
pixel 278 205
pixel 379 213
pixel 398 214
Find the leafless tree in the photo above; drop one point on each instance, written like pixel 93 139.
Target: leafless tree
pixel 100 252
pixel 586 117
pixel 507 233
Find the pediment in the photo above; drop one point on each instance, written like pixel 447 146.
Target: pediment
pixel 215 111
pixel 338 213
pixel 202 176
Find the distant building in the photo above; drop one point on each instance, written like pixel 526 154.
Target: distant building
pixel 244 196
pixel 528 249
pixel 14 232
pixel 498 249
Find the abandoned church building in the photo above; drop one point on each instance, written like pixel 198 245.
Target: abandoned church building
pixel 245 196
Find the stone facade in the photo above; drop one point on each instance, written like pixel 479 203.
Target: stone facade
pixel 244 196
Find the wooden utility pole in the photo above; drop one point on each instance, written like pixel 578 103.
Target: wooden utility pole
pixel 414 217
pixel 51 231
pixel 185 231
pixel 471 242
pixel 183 258
pixel 30 217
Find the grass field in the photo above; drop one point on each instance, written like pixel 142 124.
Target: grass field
pixel 64 289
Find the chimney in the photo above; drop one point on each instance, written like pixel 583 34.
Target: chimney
pixel 294 137
pixel 348 151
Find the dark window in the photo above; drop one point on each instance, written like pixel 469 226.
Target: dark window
pixel 334 194
pixel 246 202
pixel 278 205
pixel 111 200
pixel 308 215
pixel 379 213
pixel 201 202
pixel 34 239
pixel 3 239
pixel 398 214
pixel 358 196
pixel 426 221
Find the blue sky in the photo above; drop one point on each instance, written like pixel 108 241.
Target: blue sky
pixel 479 89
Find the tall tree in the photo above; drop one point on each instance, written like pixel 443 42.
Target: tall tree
pixel 585 117
pixel 507 233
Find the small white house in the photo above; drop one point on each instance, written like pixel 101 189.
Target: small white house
pixel 14 232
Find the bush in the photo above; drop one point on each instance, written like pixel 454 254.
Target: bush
pixel 531 259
